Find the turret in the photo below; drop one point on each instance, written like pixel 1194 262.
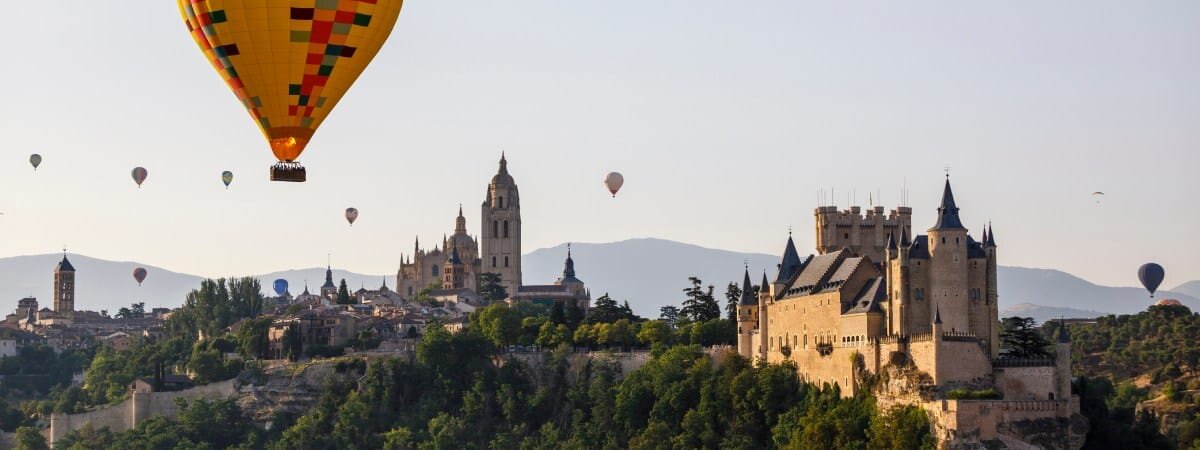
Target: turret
pixel 948 273
pixel 747 316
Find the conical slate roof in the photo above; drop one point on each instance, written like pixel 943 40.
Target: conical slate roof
pixel 948 212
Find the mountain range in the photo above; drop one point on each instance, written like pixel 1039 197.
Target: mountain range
pixel 649 273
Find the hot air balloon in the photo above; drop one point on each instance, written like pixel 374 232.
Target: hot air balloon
pixel 139 175
pixel 351 215
pixel 1097 195
pixel 613 181
pixel 139 274
pixel 289 61
pixel 281 286
pixel 36 160
pixel 1151 275
pixel 226 177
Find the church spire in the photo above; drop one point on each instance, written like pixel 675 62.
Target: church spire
pixel 569 264
pixel 460 222
pixel 948 211
pixel 991 236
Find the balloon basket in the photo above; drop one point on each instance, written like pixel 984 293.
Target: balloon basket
pixel 288 171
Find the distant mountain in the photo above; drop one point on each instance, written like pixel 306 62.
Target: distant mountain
pixel 649 273
pixel 99 284
pixel 1191 288
pixel 1043 313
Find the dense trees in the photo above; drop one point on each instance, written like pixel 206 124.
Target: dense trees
pixel 490 288
pixel 1022 339
pixel 699 305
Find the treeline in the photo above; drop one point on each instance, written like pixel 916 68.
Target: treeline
pixel 457 395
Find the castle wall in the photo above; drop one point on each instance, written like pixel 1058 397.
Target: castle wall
pixel 1027 383
pixel 864 233
pixel 919 317
pixel 137 408
pixel 948 278
pixel 962 363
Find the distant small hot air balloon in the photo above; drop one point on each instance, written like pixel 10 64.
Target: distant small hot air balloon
pixel 139 274
pixel 351 215
pixel 139 175
pixel 281 286
pixel 613 181
pixel 1151 275
pixel 226 177
pixel 1097 195
pixel 36 160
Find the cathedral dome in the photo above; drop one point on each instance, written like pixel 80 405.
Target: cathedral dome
pixel 502 177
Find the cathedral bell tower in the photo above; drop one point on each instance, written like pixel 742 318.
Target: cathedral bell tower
pixel 501 243
pixel 64 286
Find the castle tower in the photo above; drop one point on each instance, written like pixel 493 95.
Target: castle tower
pixel 501 246
pixel 64 286
pixel 948 282
pixel 747 316
pixel 863 232
pixel 992 292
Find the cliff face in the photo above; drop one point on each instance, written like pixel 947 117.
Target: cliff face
pixel 987 423
pixel 291 389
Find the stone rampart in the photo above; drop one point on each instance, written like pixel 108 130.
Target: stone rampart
pixel 137 408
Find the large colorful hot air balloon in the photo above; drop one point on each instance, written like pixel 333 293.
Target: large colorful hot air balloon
pixel 139 175
pixel 614 181
pixel 281 286
pixel 351 215
pixel 139 275
pixel 36 160
pixel 226 177
pixel 289 61
pixel 1151 275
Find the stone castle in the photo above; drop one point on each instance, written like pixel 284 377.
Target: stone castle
pixel 918 311
pixel 461 260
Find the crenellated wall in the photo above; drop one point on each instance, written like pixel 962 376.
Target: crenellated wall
pixel 134 410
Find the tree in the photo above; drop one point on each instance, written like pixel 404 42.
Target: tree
pixel 499 323
pixel 558 314
pixel 1022 339
pixel 343 294
pixel 605 310
pixel 733 295
pixel 669 314
pixel 138 309
pixel 655 332
pixel 28 438
pixel 700 305
pixel 293 342
pixel 490 288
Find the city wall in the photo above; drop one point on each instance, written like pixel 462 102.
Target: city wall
pixel 137 408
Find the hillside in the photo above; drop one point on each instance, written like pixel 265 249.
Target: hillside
pixel 1191 288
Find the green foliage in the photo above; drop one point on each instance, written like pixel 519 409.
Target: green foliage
pixel 967 394
pixel 902 428
pixel 343 294
pixel 700 305
pixel 490 288
pixel 669 314
pixel 1118 426
pixel 211 308
pixel 1022 339
pixel 28 438
pixel 606 310
pixel 1160 341
pixel 37 369
pixel 252 342
pixel 733 295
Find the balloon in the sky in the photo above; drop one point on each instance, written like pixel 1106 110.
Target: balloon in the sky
pixel 1151 275
pixel 139 274
pixel 1097 195
pixel 281 286
pixel 226 177
pixel 613 181
pixel 36 160
pixel 139 175
pixel 351 215
pixel 289 61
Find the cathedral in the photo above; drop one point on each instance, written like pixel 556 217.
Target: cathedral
pixel 461 259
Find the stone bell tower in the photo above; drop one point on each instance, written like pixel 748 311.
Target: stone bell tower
pixel 64 286
pixel 501 243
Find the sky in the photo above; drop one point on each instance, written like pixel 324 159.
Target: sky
pixel 727 119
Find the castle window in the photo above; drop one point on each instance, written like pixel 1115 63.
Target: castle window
pixel 434 270
pixel 505 228
pixel 493 261
pixel 943 240
pixel 919 294
pixel 846 235
pixel 505 261
pixel 495 228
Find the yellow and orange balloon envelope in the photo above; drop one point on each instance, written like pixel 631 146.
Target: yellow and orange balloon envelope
pixel 289 61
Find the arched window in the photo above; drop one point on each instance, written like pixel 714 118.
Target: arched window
pixel 505 261
pixel 505 228
pixel 501 202
pixel 495 228
pixel 493 261
pixel 434 270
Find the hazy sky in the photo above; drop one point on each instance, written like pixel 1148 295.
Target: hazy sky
pixel 725 117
